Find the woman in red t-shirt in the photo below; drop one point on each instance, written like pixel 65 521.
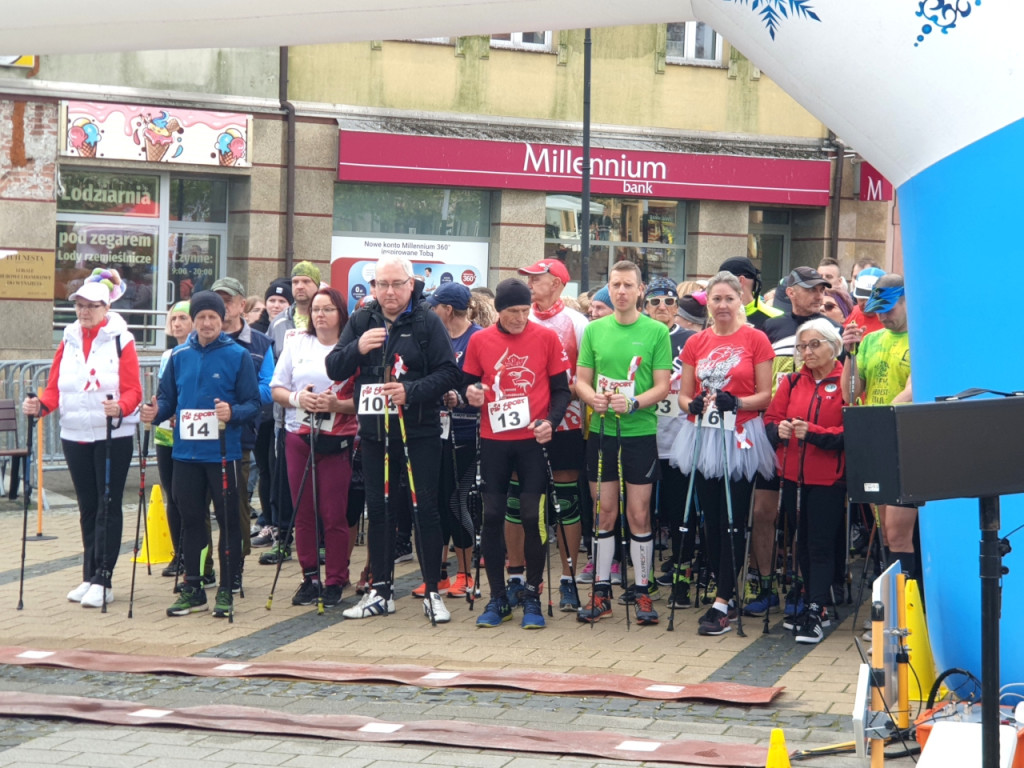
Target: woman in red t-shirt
pixel 725 384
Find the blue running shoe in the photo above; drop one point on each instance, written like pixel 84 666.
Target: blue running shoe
pixel 497 611
pixel 761 604
pixel 533 617
pixel 567 601
pixel 514 590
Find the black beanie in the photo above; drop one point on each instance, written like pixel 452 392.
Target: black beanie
pixel 739 265
pixel 205 300
pixel 511 293
pixel 282 286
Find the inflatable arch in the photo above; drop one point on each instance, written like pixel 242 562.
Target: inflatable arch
pixel 929 91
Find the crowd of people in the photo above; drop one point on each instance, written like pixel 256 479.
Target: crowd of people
pixel 489 423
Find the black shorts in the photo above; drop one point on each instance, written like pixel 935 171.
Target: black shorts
pixel 771 484
pixel 639 459
pixel 566 450
pixel 500 458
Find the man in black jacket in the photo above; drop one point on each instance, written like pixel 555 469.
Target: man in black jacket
pixel 402 353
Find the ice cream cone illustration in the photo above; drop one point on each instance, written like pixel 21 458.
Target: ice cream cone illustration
pixel 230 147
pixel 159 133
pixel 83 136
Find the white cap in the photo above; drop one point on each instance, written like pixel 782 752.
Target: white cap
pixel 92 291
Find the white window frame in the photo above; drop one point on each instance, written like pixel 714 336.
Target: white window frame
pixel 689 56
pixel 517 44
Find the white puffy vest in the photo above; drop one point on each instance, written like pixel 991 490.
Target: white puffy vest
pixel 85 384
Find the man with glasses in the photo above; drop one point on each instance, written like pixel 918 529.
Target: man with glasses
pixel 805 289
pixel 546 280
pixel 400 353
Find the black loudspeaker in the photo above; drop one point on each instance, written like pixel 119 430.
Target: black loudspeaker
pixel 908 454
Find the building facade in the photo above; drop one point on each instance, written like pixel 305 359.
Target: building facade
pixel 464 154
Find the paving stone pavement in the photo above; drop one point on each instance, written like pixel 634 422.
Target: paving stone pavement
pixel 814 710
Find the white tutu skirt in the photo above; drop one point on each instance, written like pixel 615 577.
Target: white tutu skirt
pixel 755 455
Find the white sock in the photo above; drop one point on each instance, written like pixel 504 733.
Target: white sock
pixel 604 551
pixel 641 549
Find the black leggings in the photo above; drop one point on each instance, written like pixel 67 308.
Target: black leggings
pixel 725 563
pixel 264 452
pixel 425 456
pixel 498 460
pixel 820 520
pixel 101 531
pixel 456 522
pixel 194 483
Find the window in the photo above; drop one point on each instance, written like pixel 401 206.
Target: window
pixel 523 41
pixel 409 210
pixel 693 42
pixel 650 233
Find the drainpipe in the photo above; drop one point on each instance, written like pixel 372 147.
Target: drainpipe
pixel 585 198
pixel 289 200
pixel 833 247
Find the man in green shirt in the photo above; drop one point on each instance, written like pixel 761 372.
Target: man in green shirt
pixel 883 377
pixel 622 373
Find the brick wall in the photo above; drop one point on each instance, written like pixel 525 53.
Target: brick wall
pixel 28 150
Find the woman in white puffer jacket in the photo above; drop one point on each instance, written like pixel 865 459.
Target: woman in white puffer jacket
pixel 95 376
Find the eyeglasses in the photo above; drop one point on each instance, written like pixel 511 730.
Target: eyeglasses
pixel 84 307
pixel 655 301
pixel 323 310
pixel 828 306
pixel 382 286
pixel 812 345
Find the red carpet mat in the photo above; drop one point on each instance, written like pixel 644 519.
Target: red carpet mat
pixel 447 733
pixel 423 677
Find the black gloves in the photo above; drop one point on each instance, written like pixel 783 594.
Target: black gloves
pixel 725 402
pixel 696 406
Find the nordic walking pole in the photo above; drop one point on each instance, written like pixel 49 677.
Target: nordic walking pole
pixel 291 522
pixel 143 453
pixel 775 537
pixel 551 504
pixel 398 370
pixel 475 509
pixel 686 512
pixel 106 505
pixel 561 525
pixel 597 501
pixel 624 542
pixel 732 526
pixel 222 437
pixel 313 429
pixel 26 490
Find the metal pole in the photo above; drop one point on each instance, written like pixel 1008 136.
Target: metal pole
pixel 585 212
pixel 991 574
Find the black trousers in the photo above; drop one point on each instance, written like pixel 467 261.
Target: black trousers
pixel 820 520
pixel 101 528
pixel 724 562
pixel 425 456
pixel 194 483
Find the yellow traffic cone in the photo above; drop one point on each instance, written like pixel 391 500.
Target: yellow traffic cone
pixel 156 545
pixel 920 649
pixel 778 755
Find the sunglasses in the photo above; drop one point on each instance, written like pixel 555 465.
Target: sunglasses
pixel 655 301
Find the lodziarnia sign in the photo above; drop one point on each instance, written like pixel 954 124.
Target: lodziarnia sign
pixel 408 159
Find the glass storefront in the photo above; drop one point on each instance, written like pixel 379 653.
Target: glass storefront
pixel 650 233
pixel 395 209
pixel 126 222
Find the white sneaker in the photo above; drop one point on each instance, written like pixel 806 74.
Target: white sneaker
pixel 371 604
pixel 95 596
pixel 435 605
pixel 76 594
pixel 616 574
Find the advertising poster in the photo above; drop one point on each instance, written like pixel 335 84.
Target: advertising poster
pixel 353 260
pixel 154 134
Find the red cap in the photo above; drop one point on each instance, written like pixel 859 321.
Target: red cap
pixel 551 266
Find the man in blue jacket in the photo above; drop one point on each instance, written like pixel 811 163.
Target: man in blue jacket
pixel 208 380
pixel 404 358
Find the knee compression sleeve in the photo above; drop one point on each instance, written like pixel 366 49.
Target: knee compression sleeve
pixel 512 505
pixel 568 502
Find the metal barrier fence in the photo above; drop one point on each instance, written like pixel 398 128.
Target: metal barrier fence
pixel 18 377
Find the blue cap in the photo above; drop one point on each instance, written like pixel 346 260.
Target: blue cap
pixel 603 296
pixel 884 299
pixel 454 295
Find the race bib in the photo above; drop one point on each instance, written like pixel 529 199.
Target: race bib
pixel 611 386
pixel 668 408
pixel 446 424
pixel 194 424
pixel 372 400
pixel 324 421
pixel 716 419
pixel 512 413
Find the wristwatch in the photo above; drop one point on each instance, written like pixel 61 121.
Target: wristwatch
pixel 634 405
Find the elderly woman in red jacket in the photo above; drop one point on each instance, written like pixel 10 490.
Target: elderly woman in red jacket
pixel 805 423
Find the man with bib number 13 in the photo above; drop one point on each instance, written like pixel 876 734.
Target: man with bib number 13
pixel 607 382
pixel 208 379
pixel 517 373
